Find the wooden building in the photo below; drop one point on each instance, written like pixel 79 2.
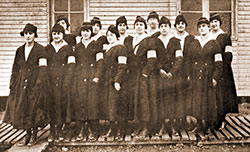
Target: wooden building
pixel 14 14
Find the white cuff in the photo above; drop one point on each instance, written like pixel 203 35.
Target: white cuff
pixel 151 54
pixel 71 59
pixel 122 59
pixel 229 49
pixel 99 56
pixel 178 53
pixel 217 57
pixel 42 62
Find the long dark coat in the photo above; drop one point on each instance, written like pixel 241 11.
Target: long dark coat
pixel 57 62
pixel 20 106
pixel 87 99
pixel 175 89
pixel 114 104
pixel 147 90
pixel 70 39
pixel 205 96
pixel 228 86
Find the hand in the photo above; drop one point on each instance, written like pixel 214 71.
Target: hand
pixel 214 82
pixel 169 75
pixel 145 75
pixel 117 86
pixel 96 80
pixel 163 72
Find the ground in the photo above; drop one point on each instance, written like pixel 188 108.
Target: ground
pixel 244 109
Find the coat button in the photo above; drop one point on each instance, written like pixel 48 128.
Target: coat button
pixel 199 77
pixel 24 87
pixel 62 64
pixel 81 64
pixel 84 80
pixel 205 63
pixel 91 65
pixel 57 85
pixel 57 78
pixel 200 70
pixel 195 62
pixel 25 80
pixel 28 69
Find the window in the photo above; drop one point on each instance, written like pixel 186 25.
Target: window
pixel 194 9
pixel 74 10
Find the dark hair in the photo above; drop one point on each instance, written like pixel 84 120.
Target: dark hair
pixel 114 30
pixel 164 20
pixel 202 20
pixel 178 19
pixel 96 20
pixel 153 14
pixel 140 19
pixel 121 19
pixel 29 28
pixel 86 26
pixel 57 28
pixel 215 16
pixel 62 17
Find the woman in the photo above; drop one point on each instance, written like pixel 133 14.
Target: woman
pixel 206 70
pixel 168 93
pixel 59 54
pixel 89 59
pixel 147 92
pixel 228 86
pixel 115 59
pixel 20 108
pixel 131 44
pixel 69 38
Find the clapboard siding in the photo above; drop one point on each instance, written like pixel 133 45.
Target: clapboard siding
pixel 15 14
pixel 110 10
pixel 243 59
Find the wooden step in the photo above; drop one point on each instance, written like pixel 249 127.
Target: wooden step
pixel 244 133
pixel 243 126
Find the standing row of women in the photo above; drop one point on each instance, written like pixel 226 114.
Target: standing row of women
pixel 157 78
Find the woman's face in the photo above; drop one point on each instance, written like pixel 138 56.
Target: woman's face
pixel 203 29
pixel 153 23
pixel 111 37
pixel 215 24
pixel 181 27
pixel 29 37
pixel 164 28
pixel 57 36
pixel 86 34
pixel 122 27
pixel 96 28
pixel 63 24
pixel 139 27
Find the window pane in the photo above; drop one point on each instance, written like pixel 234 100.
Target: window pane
pixel 61 5
pixel 58 14
pixel 226 22
pixel 221 5
pixel 192 19
pixel 76 5
pixel 191 5
pixel 76 21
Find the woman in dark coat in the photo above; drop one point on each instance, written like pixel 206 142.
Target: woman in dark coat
pixel 20 108
pixel 206 71
pixel 228 86
pixel 177 49
pixel 132 43
pixel 68 37
pixel 59 54
pixel 172 104
pixel 115 59
pixel 89 59
pixel 147 88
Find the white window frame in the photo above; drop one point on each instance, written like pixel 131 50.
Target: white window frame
pixel 85 11
pixel 206 13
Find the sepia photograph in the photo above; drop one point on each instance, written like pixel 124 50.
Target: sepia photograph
pixel 124 75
